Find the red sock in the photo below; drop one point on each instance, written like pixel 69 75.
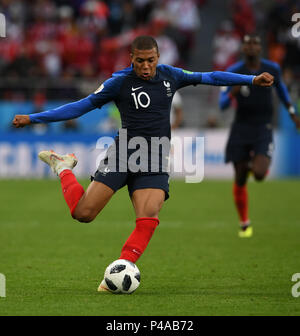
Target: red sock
pixel 71 189
pixel 139 238
pixel 240 196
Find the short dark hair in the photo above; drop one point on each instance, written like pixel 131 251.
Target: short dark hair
pixel 144 42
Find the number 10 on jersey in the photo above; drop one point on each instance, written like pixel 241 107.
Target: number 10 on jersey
pixel 138 99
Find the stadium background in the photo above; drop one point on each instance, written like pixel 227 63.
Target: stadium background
pixel 60 51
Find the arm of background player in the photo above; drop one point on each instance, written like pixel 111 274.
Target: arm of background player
pixel 283 93
pixel 225 97
pixel 284 96
pixel 228 95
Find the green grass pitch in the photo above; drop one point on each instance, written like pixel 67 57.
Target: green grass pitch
pixel 194 265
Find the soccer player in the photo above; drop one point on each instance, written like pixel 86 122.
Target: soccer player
pixel 250 143
pixel 143 94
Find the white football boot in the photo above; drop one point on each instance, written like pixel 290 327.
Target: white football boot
pixel 103 287
pixel 57 162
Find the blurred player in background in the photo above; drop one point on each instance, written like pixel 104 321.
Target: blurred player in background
pixel 143 94
pixel 250 144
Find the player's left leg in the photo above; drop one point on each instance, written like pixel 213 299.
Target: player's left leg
pixel 147 203
pixel 147 193
pixel 260 166
pixel 240 192
pixel 263 151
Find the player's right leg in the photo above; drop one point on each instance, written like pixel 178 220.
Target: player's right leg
pixel 92 202
pixel 240 196
pixel 84 206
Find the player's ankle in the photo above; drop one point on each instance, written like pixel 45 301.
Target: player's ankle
pixel 244 224
pixel 62 170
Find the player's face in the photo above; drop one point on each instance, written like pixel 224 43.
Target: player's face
pixel 252 48
pixel 145 62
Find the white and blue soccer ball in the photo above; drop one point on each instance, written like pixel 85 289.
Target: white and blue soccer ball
pixel 122 276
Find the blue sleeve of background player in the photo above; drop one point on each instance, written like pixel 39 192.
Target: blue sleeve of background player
pixel 281 88
pixel 224 98
pixel 217 78
pixel 108 91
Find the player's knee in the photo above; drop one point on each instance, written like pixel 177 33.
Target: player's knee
pixel 150 213
pixel 241 178
pixel 84 215
pixel 152 210
pixel 259 175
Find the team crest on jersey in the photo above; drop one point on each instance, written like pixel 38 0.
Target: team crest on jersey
pixel 168 86
pixel 100 88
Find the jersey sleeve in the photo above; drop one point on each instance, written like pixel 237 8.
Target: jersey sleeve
pixel 281 88
pixel 64 112
pixel 184 77
pixel 221 78
pixel 216 78
pixel 107 92
pixel 224 97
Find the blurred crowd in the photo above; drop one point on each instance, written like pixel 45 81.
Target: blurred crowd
pixel 62 49
pixel 86 39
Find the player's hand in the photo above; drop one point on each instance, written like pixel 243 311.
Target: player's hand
pixel 296 120
pixel 264 79
pixel 21 121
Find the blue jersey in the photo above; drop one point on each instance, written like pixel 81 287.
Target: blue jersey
pixel 254 103
pixel 144 105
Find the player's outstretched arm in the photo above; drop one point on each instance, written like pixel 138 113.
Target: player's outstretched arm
pixel 107 92
pixel 64 112
pixel 223 78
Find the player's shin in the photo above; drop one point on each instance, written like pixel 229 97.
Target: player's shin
pixel 139 238
pixel 240 195
pixel 71 189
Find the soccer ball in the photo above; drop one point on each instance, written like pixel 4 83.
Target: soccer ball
pixel 122 276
